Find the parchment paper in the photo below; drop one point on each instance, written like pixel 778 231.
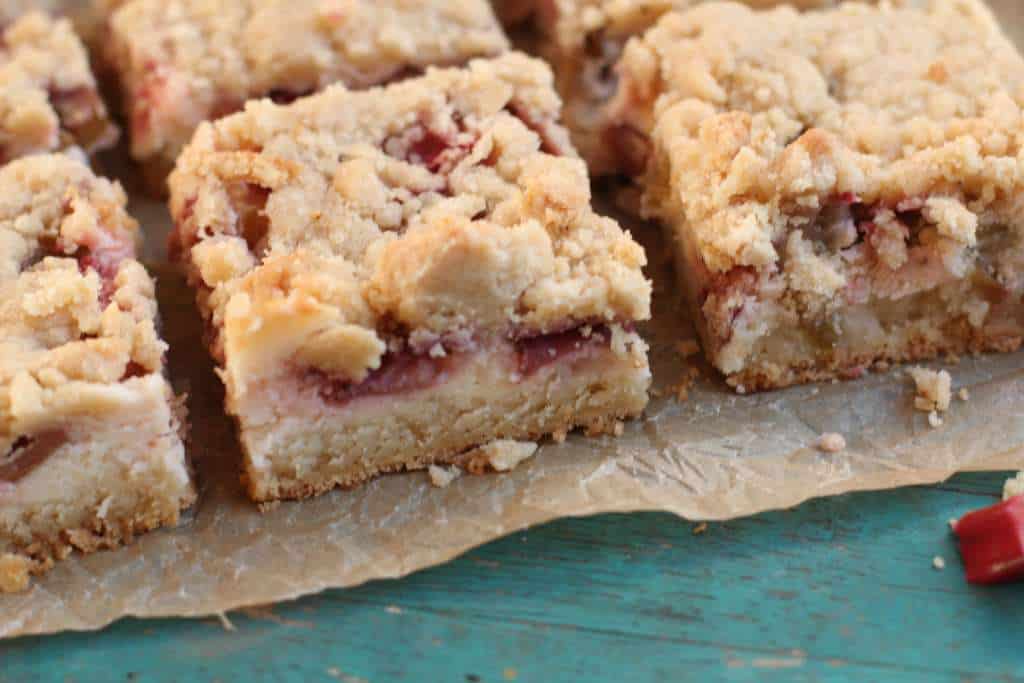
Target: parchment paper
pixel 714 456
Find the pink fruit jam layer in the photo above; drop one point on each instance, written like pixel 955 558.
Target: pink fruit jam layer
pixel 408 371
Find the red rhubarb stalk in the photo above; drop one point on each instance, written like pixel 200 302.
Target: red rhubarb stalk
pixel 992 542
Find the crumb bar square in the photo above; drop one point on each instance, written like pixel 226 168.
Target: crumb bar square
pixel 180 62
pixel 842 188
pixel 90 452
pixel 582 40
pixel 392 277
pixel 49 100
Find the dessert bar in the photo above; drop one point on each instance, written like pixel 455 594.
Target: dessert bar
pixel 180 62
pixel 392 277
pixel 842 188
pixel 582 40
pixel 48 95
pixel 90 452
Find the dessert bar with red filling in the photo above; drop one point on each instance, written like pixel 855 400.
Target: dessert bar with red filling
pixel 48 95
pixel 180 62
pixel 842 188
pixel 394 276
pixel 90 452
pixel 583 39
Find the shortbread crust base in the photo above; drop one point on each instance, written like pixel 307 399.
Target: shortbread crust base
pixel 305 452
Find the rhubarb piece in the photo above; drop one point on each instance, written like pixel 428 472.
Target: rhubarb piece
pixel 180 62
pixel 834 199
pixel 583 39
pixel 89 447
pixel 48 96
pixel 393 277
pixel 992 542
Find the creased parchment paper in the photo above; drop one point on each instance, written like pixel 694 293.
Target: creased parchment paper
pixel 713 456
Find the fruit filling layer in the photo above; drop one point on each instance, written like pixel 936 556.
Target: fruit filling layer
pixel 29 452
pixel 415 369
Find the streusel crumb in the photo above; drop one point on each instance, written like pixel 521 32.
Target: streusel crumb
pixel 500 456
pixel 830 442
pixel 441 476
pixel 933 389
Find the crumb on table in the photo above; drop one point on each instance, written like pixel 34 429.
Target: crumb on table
pixel 939 563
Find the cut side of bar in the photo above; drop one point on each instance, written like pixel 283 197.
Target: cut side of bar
pixel 180 62
pixel 90 452
pixel 834 207
pixel 395 276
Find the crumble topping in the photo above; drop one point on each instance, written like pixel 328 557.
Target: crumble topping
pixel 184 61
pixel 327 232
pixel 48 95
pixel 76 309
pixel 1014 487
pixel 784 111
pixel 933 390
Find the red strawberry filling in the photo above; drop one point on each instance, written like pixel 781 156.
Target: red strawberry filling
pixel 28 453
pixel 407 370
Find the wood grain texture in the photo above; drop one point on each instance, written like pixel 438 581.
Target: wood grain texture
pixel 838 589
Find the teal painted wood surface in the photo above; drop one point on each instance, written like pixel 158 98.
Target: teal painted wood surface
pixel 840 589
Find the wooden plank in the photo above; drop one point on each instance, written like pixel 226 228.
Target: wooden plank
pixel 839 589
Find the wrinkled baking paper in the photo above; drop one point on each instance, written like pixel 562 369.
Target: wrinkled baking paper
pixel 714 456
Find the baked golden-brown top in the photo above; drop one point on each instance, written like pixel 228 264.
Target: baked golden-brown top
pixel 442 207
pixel 758 117
pixel 76 309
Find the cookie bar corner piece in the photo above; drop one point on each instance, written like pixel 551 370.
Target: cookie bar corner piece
pixel 90 450
pixel 393 277
pixel 49 98
pixel 848 220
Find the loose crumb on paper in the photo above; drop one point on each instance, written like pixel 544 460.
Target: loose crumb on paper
pixel 502 455
pixel 1014 487
pixel 933 391
pixel 14 573
pixel 830 442
pixel 939 563
pixel 964 394
pixel 442 476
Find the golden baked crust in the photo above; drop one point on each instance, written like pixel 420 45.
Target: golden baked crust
pixel 831 172
pixel 184 61
pixel 48 95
